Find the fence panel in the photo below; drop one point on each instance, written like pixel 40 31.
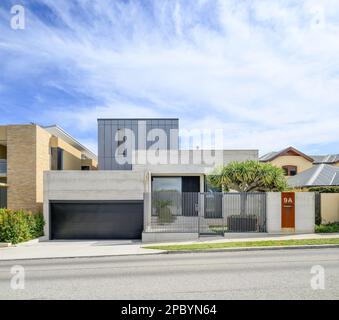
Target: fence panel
pixel 245 212
pixel 207 213
pixel 211 219
pixel 174 212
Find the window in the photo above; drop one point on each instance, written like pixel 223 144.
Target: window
pixel 85 168
pixel 166 184
pixel 57 159
pixel 290 170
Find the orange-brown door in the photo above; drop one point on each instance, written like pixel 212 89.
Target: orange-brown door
pixel 287 209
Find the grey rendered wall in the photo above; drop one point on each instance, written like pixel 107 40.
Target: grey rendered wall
pixel 91 185
pixel 107 145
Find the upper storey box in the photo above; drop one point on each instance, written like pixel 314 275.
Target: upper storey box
pixel 119 138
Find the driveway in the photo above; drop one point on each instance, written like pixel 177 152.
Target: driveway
pixel 73 249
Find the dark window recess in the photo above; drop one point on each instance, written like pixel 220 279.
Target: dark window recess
pixel 290 170
pixel 3 198
pixel 85 168
pixel 57 159
pixel 190 195
pixel 190 184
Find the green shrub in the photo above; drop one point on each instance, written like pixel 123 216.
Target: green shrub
pixel 163 211
pixel 20 226
pixel 333 189
pixel 327 228
pixel 39 225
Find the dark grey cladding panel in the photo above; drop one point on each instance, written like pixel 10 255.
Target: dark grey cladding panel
pixel 107 144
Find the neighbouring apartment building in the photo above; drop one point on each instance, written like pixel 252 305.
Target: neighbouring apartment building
pixel 26 151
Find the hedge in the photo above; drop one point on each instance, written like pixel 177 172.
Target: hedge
pixel 20 226
pixel 325 189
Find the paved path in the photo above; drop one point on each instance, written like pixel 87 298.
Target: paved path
pixel 231 275
pixel 71 249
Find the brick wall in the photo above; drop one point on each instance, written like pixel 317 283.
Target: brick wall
pixel 21 167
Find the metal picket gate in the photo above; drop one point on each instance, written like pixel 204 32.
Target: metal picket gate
pixel 209 213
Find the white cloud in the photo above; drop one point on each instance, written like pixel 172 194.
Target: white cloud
pixel 265 71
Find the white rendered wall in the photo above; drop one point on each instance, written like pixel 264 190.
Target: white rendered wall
pixel 304 212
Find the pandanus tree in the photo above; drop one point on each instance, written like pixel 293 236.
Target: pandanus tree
pixel 248 176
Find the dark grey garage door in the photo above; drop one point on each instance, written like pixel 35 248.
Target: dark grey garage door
pixel 96 220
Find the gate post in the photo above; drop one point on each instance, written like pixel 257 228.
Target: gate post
pixel 201 210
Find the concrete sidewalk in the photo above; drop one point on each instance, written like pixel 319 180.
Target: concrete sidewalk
pixel 75 249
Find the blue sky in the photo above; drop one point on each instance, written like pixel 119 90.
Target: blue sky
pixel 267 72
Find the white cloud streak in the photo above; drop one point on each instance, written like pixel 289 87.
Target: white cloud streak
pixel 265 71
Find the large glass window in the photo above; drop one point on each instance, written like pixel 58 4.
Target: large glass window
pixel 166 184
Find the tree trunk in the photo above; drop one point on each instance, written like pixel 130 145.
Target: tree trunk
pixel 243 201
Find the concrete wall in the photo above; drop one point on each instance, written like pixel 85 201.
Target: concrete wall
pixel 188 161
pixel 329 207
pixel 273 212
pixel 304 212
pixel 91 185
pixel 301 163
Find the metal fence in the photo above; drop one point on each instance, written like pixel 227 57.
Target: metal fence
pixel 3 198
pixel 207 213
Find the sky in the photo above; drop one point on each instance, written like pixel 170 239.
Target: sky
pixel 265 71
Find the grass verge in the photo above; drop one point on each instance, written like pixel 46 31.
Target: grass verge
pixel 242 244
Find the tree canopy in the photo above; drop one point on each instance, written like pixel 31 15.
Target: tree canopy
pixel 248 176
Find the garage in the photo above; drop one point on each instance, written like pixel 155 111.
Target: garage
pixel 90 220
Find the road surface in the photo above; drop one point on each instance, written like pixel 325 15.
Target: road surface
pixel 283 274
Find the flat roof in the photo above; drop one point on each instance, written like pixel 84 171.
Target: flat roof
pixel 137 119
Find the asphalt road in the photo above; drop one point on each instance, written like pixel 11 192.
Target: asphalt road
pixel 284 274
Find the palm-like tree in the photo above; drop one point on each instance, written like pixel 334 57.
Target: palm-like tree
pixel 248 176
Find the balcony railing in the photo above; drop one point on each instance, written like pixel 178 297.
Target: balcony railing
pixel 3 167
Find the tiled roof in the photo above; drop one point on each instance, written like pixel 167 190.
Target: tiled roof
pixel 268 156
pixel 318 175
pixel 330 158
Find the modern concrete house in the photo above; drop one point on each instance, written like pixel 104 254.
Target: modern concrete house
pixel 139 159
pixel 26 151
